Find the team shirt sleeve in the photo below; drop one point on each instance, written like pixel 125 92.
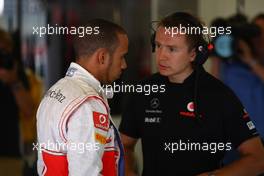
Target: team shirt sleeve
pixel 87 133
pixel 238 126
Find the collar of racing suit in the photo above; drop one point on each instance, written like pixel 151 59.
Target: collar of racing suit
pixel 77 71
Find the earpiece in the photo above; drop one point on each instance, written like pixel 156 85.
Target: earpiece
pixel 202 53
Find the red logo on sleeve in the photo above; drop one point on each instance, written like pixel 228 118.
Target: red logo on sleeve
pixel 101 121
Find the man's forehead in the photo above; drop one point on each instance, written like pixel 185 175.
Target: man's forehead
pixel 165 33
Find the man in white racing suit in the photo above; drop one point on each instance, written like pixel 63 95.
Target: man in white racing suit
pixel 76 135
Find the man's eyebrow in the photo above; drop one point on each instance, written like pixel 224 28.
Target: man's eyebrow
pixel 172 46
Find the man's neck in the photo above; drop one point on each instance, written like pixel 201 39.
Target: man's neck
pixel 90 68
pixel 180 77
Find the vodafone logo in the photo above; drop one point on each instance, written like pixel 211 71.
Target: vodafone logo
pixel 190 106
pixel 102 118
pixel 101 121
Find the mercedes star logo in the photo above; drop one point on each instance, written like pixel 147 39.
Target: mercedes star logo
pixel 154 103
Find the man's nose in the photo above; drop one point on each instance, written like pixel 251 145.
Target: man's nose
pixel 161 54
pixel 124 65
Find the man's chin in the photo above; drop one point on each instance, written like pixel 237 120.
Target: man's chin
pixel 164 73
pixel 112 78
pixel 110 81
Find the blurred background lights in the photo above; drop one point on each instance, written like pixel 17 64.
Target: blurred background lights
pixel 1 7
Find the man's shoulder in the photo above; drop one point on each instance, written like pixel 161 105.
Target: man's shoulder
pixel 70 89
pixel 218 89
pixel 210 82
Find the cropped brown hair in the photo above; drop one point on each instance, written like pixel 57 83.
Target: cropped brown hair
pixel 186 20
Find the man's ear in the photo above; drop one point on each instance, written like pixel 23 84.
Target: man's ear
pixel 103 56
pixel 192 55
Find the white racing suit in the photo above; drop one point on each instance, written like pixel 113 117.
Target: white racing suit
pixel 76 136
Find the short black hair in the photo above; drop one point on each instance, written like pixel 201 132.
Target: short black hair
pixel 105 38
pixel 187 20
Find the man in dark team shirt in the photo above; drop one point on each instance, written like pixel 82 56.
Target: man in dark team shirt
pixel 180 137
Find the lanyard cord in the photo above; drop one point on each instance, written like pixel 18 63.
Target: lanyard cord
pixel 196 90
